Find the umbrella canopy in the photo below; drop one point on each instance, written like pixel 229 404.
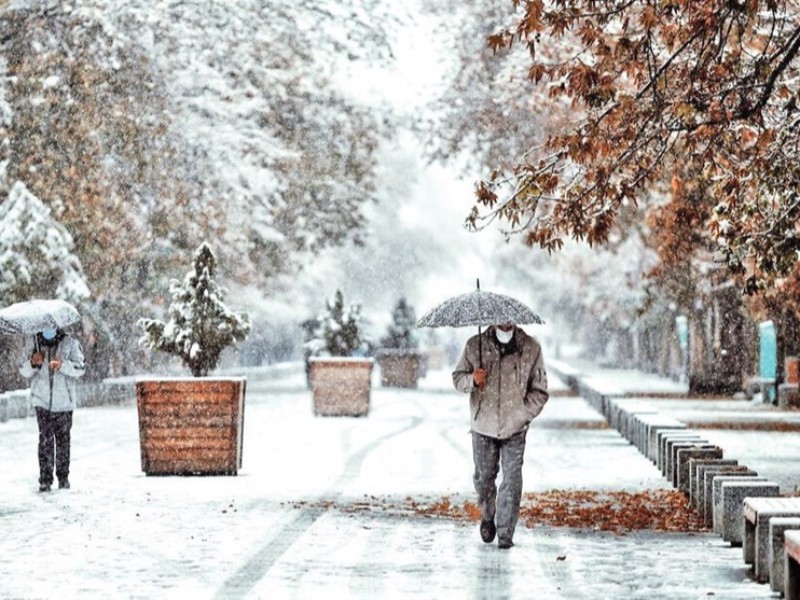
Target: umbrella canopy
pixel 479 309
pixel 33 316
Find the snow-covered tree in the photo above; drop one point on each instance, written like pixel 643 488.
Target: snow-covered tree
pixel 37 256
pixel 400 333
pixel 337 331
pixel 200 325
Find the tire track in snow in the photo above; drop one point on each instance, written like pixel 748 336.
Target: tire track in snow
pixel 259 564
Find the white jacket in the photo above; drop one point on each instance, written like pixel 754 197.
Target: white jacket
pixel 56 391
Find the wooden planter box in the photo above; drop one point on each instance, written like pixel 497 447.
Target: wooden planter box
pixel 191 426
pixel 399 368
pixel 341 386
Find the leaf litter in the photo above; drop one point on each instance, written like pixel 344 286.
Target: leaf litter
pixel 617 512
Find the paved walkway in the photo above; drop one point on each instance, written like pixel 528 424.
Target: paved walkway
pixel 270 531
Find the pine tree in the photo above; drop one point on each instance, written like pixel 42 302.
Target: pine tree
pixel 338 331
pixel 200 325
pixel 400 333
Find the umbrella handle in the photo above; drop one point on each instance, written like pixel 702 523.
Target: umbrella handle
pixel 480 341
pixel 480 348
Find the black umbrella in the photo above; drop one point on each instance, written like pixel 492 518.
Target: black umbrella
pixel 479 308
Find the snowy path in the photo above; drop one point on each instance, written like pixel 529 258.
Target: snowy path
pixel 268 534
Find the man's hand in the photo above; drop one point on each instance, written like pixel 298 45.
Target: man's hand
pixel 37 358
pixel 55 364
pixel 479 377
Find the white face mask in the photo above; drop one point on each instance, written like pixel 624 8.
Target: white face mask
pixel 504 336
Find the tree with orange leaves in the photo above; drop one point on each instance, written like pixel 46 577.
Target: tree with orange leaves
pixel 659 89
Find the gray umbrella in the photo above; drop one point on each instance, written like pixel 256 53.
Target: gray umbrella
pixel 33 316
pixel 478 308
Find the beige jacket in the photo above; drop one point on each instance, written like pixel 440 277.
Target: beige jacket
pixel 516 385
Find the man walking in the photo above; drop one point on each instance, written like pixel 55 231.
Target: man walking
pixel 52 364
pixel 503 371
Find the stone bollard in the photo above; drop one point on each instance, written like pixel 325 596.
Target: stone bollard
pixel 672 457
pixel 655 425
pixel 732 495
pixel 623 413
pixel 696 469
pixel 665 437
pixel 720 467
pixel 641 425
pixel 713 497
pixel 685 462
pixel 777 554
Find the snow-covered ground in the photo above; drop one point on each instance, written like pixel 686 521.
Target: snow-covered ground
pixel 267 533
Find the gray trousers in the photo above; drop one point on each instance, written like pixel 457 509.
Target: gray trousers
pixel 489 455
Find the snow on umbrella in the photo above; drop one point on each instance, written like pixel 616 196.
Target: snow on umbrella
pixel 481 309
pixel 33 316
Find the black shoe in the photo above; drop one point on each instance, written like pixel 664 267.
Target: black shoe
pixel 488 531
pixel 504 544
pixel 63 484
pixel 44 487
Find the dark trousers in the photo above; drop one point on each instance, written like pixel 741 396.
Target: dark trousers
pixel 54 442
pixel 489 455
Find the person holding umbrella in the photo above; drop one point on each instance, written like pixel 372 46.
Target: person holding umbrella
pixel 52 363
pixel 503 371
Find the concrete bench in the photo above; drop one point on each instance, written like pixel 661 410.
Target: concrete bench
pixel 686 457
pixel 697 473
pixel 729 510
pixel 757 513
pixel 778 526
pixel 791 564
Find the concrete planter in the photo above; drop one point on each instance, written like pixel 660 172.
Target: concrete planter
pixel 399 368
pixel 341 386
pixel 191 426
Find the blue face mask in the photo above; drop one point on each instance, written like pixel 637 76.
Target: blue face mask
pixel 49 334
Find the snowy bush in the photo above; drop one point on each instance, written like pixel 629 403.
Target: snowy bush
pixel 337 330
pixel 400 333
pixel 200 326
